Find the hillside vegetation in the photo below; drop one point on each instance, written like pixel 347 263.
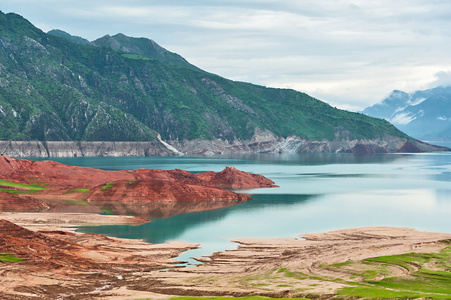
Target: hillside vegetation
pixel 119 88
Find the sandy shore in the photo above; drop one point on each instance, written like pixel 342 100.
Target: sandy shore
pixel 91 266
pixel 63 221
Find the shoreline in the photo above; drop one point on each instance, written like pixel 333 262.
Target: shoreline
pixel 132 269
pixel 67 221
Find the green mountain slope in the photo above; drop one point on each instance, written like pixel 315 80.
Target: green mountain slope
pixel 67 36
pixel 142 48
pixel 127 89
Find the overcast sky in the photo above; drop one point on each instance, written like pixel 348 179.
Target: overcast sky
pixel 350 54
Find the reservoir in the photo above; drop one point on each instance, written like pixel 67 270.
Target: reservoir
pixel 318 192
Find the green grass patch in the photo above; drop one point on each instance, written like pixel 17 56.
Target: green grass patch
pixel 284 285
pixel 422 281
pixel 11 191
pixel 107 211
pixel 28 187
pixel 108 186
pixel 8 257
pixel 378 293
pixel 76 202
pixel 77 191
pixel 296 275
pixel 346 263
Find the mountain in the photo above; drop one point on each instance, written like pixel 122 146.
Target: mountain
pixel 124 89
pixel 425 115
pixel 143 49
pixel 67 36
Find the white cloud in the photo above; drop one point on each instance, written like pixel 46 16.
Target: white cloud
pixel 442 78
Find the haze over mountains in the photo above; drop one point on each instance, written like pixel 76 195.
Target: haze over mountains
pixel 425 115
pixel 57 87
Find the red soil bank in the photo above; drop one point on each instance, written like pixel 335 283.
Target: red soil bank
pixel 143 185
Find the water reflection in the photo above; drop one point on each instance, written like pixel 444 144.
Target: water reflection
pixel 157 210
pixel 162 230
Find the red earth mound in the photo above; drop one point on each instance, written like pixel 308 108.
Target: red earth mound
pixel 162 191
pixel 54 174
pixel 32 245
pixel 13 202
pixel 81 184
pixel 57 174
pixel 233 178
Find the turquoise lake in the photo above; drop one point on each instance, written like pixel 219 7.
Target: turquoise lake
pixel 318 192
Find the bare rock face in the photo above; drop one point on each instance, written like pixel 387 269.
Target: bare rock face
pixel 12 202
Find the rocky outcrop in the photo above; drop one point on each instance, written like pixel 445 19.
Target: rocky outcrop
pixel 233 178
pixel 12 202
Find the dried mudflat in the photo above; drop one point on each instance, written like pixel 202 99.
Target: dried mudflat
pixel 65 265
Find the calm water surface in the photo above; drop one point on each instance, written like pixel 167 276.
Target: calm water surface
pixel 318 192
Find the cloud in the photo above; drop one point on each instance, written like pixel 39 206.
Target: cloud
pixel 442 78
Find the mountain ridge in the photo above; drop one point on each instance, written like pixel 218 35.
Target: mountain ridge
pixel 423 114
pixel 55 90
pixel 69 37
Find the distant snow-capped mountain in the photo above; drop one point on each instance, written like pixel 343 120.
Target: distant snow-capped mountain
pixel 425 115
